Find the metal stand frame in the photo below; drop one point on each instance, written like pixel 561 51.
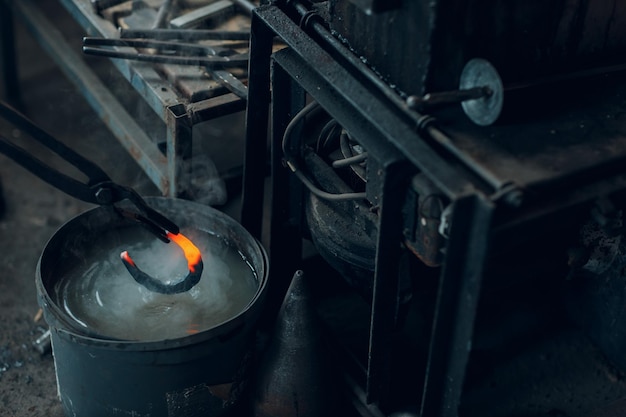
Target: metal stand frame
pixel 7 55
pixel 178 116
pixel 393 140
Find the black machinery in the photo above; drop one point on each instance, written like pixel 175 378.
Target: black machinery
pixel 461 164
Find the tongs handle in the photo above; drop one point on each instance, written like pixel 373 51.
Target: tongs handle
pixel 55 178
pixel 99 189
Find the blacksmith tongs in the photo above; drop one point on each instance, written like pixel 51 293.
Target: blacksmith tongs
pixel 99 189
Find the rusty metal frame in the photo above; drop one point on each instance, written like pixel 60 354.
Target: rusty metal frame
pixel 177 114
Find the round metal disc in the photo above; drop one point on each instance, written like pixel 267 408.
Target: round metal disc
pixel 483 111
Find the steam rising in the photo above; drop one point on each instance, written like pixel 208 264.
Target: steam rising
pixel 101 296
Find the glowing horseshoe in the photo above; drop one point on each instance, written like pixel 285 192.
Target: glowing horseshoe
pixel 194 263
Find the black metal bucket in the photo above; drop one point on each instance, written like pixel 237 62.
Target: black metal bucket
pixel 97 376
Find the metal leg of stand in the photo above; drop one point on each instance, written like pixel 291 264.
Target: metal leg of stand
pixel 178 145
pixel 456 306
pixel 285 233
pixel 10 81
pixel 385 302
pixel 257 114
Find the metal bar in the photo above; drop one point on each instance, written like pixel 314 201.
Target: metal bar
pixel 123 127
pixel 207 61
pixel 211 11
pixel 457 301
pixel 214 107
pixel 385 303
pixel 232 83
pixel 8 56
pixel 186 35
pixel 163 14
pixel 261 38
pixel 448 97
pixel 285 245
pixel 178 144
pixel 181 48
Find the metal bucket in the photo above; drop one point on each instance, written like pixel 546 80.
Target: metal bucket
pixel 98 376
